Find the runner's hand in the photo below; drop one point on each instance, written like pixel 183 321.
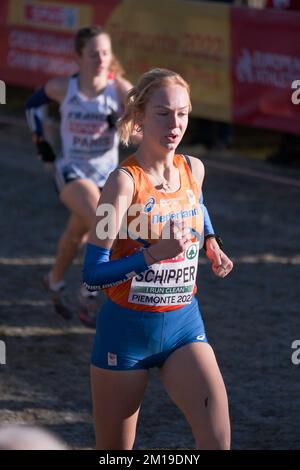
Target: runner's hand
pixel 44 149
pixel 221 265
pixel 175 238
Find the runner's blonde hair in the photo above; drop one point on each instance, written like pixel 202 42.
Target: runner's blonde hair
pixel 139 96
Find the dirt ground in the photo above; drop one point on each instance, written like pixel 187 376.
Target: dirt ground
pixel 252 317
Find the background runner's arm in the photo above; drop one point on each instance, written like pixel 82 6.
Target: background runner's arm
pixel 34 111
pixel 55 90
pixel 122 86
pixel 35 108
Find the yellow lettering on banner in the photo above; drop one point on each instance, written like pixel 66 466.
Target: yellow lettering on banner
pixel 192 38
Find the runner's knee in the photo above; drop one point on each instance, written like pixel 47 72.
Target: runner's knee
pixel 77 235
pixel 219 440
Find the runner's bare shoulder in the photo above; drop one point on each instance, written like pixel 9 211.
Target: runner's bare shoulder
pixel 56 88
pixel 197 168
pixel 122 87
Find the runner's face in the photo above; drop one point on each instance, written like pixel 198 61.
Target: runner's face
pixel 166 117
pixel 96 55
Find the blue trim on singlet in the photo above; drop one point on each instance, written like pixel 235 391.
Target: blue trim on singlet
pixel 208 227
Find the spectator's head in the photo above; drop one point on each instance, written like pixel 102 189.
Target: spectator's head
pixel 21 437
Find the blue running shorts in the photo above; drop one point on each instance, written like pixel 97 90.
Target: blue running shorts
pixel 129 339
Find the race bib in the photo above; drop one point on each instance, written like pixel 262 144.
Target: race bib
pixel 169 282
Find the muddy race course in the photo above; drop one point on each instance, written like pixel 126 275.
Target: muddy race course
pixel 252 318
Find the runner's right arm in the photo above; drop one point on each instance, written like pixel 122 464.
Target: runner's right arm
pixel 99 271
pixel 54 89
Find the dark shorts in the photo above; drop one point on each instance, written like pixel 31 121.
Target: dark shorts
pixel 129 339
pixel 72 172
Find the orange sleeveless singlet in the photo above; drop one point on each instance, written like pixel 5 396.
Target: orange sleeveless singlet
pixel 171 283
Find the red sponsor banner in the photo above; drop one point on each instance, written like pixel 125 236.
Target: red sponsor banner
pixel 247 80
pixel 30 58
pixel 37 37
pixel 265 62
